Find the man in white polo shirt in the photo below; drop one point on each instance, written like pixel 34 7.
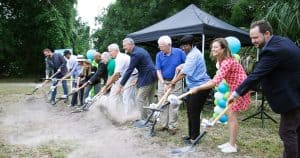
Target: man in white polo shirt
pixel 121 65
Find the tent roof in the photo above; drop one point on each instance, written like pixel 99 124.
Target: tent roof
pixel 190 20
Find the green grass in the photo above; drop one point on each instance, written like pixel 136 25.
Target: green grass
pixel 13 80
pixel 50 149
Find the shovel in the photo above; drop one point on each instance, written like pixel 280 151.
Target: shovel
pixel 59 99
pixel 87 105
pixel 44 83
pixel 191 148
pixel 143 123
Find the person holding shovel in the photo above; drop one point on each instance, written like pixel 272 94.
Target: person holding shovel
pixel 232 71
pixel 279 74
pixel 146 80
pixel 57 62
pixel 194 71
pixel 166 62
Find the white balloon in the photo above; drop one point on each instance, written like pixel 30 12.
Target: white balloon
pixel 218 109
pixel 218 95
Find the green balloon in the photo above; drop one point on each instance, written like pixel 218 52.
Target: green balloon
pixel 216 102
pixel 226 95
pixel 215 115
pixel 237 57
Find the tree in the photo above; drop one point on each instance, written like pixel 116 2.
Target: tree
pixel 26 27
pixel 285 18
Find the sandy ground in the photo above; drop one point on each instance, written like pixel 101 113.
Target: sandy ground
pixel 32 122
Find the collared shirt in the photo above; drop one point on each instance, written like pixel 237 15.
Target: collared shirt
pixel 195 69
pixel 168 63
pixel 141 60
pixel 71 63
pixel 75 72
pixel 122 63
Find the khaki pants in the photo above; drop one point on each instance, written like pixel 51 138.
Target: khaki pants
pixel 144 97
pixel 169 116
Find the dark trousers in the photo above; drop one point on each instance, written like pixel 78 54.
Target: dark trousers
pixel 75 97
pixel 195 104
pixel 289 132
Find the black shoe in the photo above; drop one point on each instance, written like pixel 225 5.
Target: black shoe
pixel 189 142
pixel 186 140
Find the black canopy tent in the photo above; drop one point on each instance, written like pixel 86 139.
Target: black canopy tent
pixel 191 20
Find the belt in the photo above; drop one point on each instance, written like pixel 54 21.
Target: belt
pixel 168 79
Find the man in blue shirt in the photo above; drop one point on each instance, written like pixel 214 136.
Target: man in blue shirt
pixel 58 63
pixel 75 72
pixel 194 71
pixel 141 60
pixel 166 62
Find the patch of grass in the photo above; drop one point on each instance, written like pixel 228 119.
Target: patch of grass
pixel 253 141
pixel 50 149
pixel 13 80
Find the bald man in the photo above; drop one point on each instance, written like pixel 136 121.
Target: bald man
pixel 101 73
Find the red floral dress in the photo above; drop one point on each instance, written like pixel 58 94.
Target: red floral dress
pixel 232 71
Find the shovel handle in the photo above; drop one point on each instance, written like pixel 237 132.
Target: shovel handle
pixel 184 95
pixel 221 114
pixel 164 97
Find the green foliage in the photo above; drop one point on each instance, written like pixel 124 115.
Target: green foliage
pixel 27 27
pixel 80 37
pixel 285 19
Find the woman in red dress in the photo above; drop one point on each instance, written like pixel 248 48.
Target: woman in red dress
pixel 232 71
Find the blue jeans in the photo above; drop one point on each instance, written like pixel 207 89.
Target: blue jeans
pixel 88 88
pixel 65 89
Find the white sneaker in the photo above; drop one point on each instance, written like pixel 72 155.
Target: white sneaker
pixel 230 149
pixel 223 145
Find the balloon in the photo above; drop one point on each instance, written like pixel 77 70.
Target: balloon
pixel 234 44
pixel 226 95
pixel 224 81
pixel 223 118
pixel 222 103
pixel 215 115
pixel 237 57
pixel 216 102
pixel 90 60
pixel 218 95
pixel 90 54
pixel 223 88
pixel 218 110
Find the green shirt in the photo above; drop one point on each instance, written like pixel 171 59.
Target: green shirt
pixel 111 66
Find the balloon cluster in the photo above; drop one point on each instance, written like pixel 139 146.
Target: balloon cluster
pixel 221 96
pixel 90 55
pixel 222 90
pixel 234 45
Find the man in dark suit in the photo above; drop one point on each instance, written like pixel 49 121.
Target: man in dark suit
pixel 278 70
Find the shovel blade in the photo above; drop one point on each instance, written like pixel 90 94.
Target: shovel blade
pixel 183 150
pixel 140 124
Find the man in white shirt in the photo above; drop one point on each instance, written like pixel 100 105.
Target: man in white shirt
pixel 121 65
